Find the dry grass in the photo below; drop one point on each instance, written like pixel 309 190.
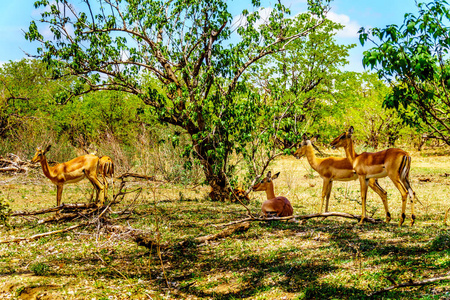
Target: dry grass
pixel 330 259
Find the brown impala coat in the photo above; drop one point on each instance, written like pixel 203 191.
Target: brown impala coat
pixel 280 206
pixel 71 172
pixel 333 169
pixel 394 163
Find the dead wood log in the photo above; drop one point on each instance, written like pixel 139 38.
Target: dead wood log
pixel 411 283
pixel 68 207
pixel 147 238
pixel 134 175
pixel 60 217
pixel 303 217
pixel 40 235
pixel 13 163
pixel 224 233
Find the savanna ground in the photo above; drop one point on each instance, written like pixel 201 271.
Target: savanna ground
pixel 318 259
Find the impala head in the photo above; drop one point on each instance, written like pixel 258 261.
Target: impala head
pixel 39 155
pixel 343 139
pixel 266 182
pixel 301 151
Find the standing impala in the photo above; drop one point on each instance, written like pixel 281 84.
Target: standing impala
pixel 392 162
pixel 71 172
pixel 334 169
pixel 105 170
pixel 279 206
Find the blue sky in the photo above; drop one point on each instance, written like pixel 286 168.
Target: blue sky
pixel 15 17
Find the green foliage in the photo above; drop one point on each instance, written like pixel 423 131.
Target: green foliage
pixel 185 47
pixel 40 269
pixel 358 101
pixel 440 242
pixel 5 211
pixel 99 113
pixel 26 93
pixel 413 57
pixel 295 85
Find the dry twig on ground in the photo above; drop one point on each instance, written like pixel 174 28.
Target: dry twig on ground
pixel 303 217
pixel 411 283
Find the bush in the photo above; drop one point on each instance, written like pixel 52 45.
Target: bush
pixel 40 269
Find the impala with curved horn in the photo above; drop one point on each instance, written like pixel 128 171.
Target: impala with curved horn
pixel 394 163
pixel 334 169
pixel 273 206
pixel 71 172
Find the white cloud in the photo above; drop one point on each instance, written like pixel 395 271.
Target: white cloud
pixel 351 27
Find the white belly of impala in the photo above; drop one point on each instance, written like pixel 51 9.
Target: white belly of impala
pixel 377 175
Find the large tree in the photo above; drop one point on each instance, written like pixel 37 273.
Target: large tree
pixel 413 58
pixel 187 46
pixel 297 85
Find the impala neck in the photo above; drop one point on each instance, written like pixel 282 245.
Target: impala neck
pixel 312 159
pixel 350 151
pixel 270 192
pixel 46 168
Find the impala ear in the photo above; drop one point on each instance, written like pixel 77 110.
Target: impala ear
pixel 275 176
pixel 313 140
pixel 47 149
pixel 269 174
pixel 305 137
pixel 350 131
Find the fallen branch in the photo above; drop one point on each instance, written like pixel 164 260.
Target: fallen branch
pixel 147 238
pixel 303 217
pixel 64 216
pixel 411 283
pixel 224 233
pixel 140 176
pixel 38 236
pixel 69 206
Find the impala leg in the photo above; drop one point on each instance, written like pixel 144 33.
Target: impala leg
pixel 99 187
pixel 401 188
pixel 446 215
pixel 59 190
pixel 92 195
pixel 326 182
pixel 412 197
pixel 327 200
pixel 364 183
pixel 373 184
pixel 105 183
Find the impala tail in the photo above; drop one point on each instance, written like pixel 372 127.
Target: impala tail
pixel 405 167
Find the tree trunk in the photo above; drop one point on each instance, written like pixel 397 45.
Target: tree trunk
pixel 220 190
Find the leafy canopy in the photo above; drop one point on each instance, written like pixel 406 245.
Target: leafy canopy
pixel 177 56
pixel 413 58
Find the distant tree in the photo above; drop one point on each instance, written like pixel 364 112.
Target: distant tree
pixel 359 102
pixel 296 85
pixel 187 46
pixel 26 90
pixel 413 58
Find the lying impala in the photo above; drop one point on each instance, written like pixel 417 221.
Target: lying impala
pixel 334 169
pixel 392 162
pixel 273 206
pixel 71 172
